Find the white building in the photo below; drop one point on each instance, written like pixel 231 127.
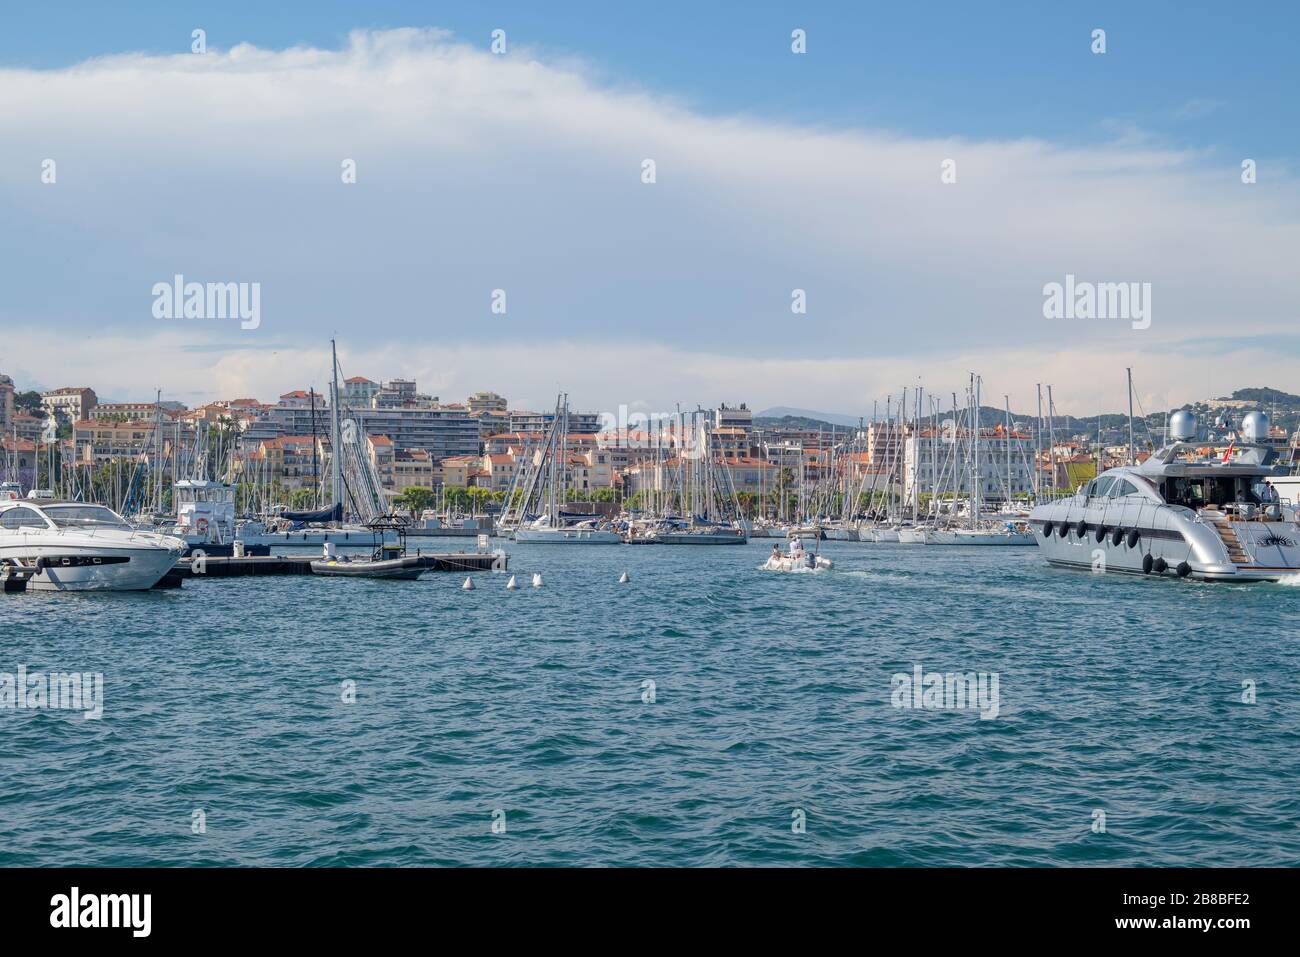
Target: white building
pixel 931 460
pixel 69 404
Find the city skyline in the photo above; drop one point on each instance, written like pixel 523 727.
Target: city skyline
pixel 523 173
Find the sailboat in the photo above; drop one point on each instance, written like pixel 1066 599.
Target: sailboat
pixel 980 530
pixel 543 485
pixel 707 494
pixel 352 480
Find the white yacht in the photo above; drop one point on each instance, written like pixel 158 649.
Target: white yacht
pixel 76 546
pixel 578 533
pixel 1184 510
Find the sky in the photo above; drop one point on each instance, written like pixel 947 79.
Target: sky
pixel 523 173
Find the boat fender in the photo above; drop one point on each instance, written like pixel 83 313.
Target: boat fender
pixel 40 563
pixel 1101 534
pixel 1183 569
pixel 1161 566
pixel 1147 563
pixel 1133 537
pixel 1117 536
pixel 1081 529
pixel 1047 529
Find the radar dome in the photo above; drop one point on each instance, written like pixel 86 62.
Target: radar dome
pixel 1254 427
pixel 1182 426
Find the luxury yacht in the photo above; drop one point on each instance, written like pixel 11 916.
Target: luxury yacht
pixel 1183 510
pixel 82 547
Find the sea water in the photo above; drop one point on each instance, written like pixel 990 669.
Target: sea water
pixel 705 713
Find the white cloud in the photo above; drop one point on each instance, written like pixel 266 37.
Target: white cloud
pixel 479 172
pixel 649 376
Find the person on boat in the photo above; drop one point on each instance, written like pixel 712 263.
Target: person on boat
pixel 796 547
pixel 776 551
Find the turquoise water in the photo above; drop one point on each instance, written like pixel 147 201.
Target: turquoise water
pixel 772 699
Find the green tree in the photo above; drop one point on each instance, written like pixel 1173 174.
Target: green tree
pixel 415 500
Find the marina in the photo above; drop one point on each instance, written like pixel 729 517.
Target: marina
pixel 562 438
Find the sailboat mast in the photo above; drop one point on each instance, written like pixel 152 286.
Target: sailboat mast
pixel 336 446
pixel 1130 416
pixel 1007 405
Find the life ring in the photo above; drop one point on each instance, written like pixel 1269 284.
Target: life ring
pixel 201 526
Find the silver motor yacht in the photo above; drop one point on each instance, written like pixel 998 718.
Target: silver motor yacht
pixel 1185 511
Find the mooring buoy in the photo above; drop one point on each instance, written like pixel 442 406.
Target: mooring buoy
pixel 469 585
pixel 623 579
pixel 537 580
pixel 512 584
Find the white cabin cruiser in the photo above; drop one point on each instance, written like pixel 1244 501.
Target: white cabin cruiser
pixel 1183 510
pixel 76 546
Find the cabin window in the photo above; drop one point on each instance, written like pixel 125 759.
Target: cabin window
pixel 1102 487
pixel 21 518
pixel 1121 488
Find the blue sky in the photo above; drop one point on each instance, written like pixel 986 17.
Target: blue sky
pixel 1202 74
pixel 776 172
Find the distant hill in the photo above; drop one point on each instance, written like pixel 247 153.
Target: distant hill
pixel 1286 404
pixel 802 418
pixel 1268 397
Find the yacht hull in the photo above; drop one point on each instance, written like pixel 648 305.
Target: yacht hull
pixel 101 568
pixel 1173 537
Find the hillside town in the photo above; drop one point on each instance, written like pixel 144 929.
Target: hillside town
pixel 465 455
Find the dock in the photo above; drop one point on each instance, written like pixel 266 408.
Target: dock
pixel 14 578
pixel 230 567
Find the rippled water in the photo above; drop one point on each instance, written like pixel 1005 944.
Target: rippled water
pixel 772 696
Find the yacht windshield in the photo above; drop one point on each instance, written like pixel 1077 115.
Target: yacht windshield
pixel 84 516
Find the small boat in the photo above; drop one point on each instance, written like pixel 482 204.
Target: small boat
pixel 806 562
pixel 403 568
pixel 389 559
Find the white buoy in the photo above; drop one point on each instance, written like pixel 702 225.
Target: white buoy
pixel 623 579
pixel 512 584
pixel 469 585
pixel 537 580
